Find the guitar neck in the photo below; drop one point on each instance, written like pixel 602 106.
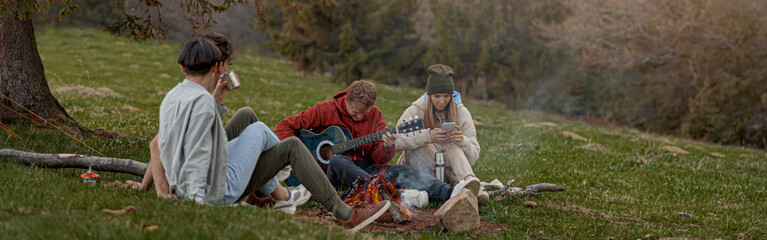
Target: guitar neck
pixel 349 145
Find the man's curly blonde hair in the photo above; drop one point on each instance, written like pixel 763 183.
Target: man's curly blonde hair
pixel 362 91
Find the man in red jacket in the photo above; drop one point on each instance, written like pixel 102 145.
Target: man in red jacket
pixel 355 110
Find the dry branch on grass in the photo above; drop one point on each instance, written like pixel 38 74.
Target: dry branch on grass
pixel 574 135
pixel 674 149
pixel 119 211
pixel 534 189
pixel 65 160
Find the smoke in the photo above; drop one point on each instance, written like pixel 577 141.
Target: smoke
pixel 408 177
pixel 417 174
pixel 419 160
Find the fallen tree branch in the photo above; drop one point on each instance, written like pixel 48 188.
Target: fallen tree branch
pixel 531 190
pixel 74 161
pixel 543 187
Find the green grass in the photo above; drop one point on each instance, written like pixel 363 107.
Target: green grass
pixel 623 188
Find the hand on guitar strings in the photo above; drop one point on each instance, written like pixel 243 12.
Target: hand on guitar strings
pixel 389 139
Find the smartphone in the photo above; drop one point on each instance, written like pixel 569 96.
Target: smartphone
pixel 448 126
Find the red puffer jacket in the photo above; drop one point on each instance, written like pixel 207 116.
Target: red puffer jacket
pixel 333 113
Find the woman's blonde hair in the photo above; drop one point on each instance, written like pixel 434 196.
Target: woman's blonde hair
pixel 430 118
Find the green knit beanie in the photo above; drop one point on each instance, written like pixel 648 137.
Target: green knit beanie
pixel 440 79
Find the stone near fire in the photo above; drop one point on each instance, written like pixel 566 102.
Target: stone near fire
pixel 460 213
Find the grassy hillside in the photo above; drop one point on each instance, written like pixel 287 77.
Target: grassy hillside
pixel 619 182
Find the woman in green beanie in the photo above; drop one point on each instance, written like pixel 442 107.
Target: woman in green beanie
pixel 441 104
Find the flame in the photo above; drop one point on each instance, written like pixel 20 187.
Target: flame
pixel 374 190
pixel 370 192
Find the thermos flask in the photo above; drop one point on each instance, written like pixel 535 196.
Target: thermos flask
pixel 439 166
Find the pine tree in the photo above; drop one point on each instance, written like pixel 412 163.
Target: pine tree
pixel 352 39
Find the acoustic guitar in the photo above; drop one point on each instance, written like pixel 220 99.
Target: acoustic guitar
pixel 337 140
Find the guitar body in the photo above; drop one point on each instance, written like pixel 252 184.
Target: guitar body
pixel 338 140
pixel 321 145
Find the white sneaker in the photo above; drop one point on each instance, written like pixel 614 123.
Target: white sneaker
pixel 297 197
pixel 471 184
pixel 412 198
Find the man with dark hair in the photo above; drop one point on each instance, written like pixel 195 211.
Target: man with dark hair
pixel 354 109
pixel 221 41
pixel 282 199
pixel 203 165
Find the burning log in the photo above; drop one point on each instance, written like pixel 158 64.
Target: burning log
pixel 368 192
pixel 398 212
pixel 374 190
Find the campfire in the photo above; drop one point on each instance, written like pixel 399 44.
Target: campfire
pixel 374 190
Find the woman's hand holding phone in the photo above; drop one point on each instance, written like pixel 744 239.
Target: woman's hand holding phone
pixel 439 135
pixel 448 132
pixel 456 134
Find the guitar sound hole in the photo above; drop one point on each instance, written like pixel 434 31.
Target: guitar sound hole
pixel 326 152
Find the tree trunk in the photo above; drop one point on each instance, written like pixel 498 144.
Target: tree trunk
pixel 22 78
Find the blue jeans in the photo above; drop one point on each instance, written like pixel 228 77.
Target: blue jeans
pixel 244 152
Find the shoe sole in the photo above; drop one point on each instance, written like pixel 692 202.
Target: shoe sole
pixel 286 210
pixel 372 218
pixel 473 187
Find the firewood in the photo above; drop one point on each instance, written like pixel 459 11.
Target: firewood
pixel 394 210
pixel 396 213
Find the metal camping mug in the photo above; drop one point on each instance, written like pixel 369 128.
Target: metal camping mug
pixel 439 166
pixel 234 81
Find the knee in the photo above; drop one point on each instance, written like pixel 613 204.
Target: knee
pixel 296 146
pixel 337 161
pixel 293 142
pixel 256 131
pixel 257 128
pixel 247 112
